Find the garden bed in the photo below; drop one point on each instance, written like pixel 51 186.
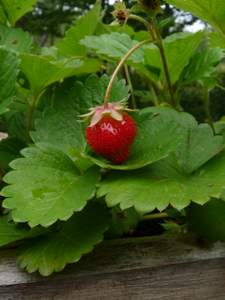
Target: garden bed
pixel 160 267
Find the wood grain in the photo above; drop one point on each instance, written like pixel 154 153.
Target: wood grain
pixel 155 268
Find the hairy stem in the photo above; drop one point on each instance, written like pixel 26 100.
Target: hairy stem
pixel 128 78
pixel 119 66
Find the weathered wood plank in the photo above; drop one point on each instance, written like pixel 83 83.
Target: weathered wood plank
pixel 158 268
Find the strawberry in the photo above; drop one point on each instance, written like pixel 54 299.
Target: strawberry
pixel 111 132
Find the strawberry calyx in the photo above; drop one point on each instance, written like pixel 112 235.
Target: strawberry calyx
pixel 113 110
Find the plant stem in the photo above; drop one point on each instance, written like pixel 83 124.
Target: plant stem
pixel 154 96
pixel 220 87
pixel 155 216
pixel 119 66
pixel 155 33
pixel 139 19
pixel 127 74
pixel 207 109
pixel 30 112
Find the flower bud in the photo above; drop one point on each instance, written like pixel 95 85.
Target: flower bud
pixel 121 13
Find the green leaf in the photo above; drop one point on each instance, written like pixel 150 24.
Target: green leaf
pixel 76 237
pixel 9 64
pixel 15 9
pixel 3 18
pixel 86 25
pixel 11 232
pixel 9 150
pixel 45 186
pixel 216 40
pixel 43 71
pixel 160 185
pixel 208 221
pixel 179 48
pixel 15 119
pixel 177 180
pixel 114 45
pixel 15 39
pixel 203 65
pixel 61 126
pixel 199 147
pixel 212 11
pixel 159 133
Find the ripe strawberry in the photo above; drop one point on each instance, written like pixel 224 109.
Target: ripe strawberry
pixel 111 132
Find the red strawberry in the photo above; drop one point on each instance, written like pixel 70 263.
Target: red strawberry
pixel 111 132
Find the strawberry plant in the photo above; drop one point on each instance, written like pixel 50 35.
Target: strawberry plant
pixel 96 138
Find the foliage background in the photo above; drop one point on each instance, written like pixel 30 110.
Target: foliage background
pixel 55 187
pixel 51 18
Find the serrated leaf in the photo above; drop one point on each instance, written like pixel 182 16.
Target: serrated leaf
pixel 179 48
pixel 11 232
pixel 208 221
pixel 86 25
pixel 177 180
pixel 159 133
pixel 61 126
pixel 15 39
pixel 114 45
pixel 15 9
pixel 42 71
pixel 203 65
pixel 76 237
pixel 212 11
pixel 9 64
pixel 160 185
pixel 45 186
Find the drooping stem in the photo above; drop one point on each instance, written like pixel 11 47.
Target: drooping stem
pixel 207 109
pixel 119 66
pixel 155 33
pixel 128 78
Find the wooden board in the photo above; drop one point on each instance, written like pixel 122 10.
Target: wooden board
pixel 155 268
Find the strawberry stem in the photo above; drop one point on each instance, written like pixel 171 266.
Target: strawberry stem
pixel 119 66
pixel 156 35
